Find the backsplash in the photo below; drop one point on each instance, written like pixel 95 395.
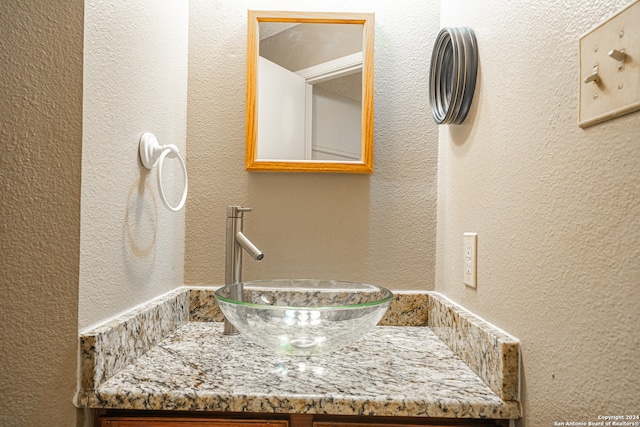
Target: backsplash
pixel 490 352
pixel 406 309
pixel 108 348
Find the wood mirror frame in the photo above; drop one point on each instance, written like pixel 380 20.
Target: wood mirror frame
pixel 365 164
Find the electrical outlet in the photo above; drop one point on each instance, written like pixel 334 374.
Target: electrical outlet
pixel 470 268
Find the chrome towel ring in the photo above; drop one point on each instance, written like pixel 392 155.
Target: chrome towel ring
pixel 152 153
pixel 452 75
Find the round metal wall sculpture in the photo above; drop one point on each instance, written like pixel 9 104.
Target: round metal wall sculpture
pixel 452 76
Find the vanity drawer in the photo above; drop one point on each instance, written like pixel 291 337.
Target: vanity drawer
pixel 173 419
pixel 187 422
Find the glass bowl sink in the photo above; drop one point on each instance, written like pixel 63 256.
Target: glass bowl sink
pixel 304 317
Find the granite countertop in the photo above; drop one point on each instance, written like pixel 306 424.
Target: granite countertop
pixel 393 370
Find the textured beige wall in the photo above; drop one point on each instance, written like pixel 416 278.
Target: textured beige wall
pixel 556 209
pixel 378 228
pixel 41 137
pixel 135 81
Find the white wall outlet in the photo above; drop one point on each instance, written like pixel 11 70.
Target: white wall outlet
pixel 470 267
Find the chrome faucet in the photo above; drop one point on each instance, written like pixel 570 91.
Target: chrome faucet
pixel 236 241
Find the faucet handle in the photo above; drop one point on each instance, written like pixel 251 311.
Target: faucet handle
pixel 236 211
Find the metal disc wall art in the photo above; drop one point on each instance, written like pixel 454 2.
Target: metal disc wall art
pixel 452 76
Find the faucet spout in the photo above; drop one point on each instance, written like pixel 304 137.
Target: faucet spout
pixel 248 246
pixel 236 242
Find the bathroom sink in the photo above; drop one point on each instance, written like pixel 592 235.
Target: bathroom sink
pixel 304 317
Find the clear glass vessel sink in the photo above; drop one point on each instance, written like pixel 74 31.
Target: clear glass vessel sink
pixel 304 317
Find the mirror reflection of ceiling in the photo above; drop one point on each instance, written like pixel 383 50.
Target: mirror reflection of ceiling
pixel 349 86
pixel 308 44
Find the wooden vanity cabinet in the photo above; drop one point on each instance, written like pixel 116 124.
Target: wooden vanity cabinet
pixel 379 422
pixel 176 419
pixel 187 422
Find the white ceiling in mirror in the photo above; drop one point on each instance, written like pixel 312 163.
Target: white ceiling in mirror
pixel 308 44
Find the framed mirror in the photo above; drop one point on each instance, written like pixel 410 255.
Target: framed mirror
pixel 310 92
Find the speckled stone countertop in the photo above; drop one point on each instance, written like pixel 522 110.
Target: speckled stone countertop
pixel 393 370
